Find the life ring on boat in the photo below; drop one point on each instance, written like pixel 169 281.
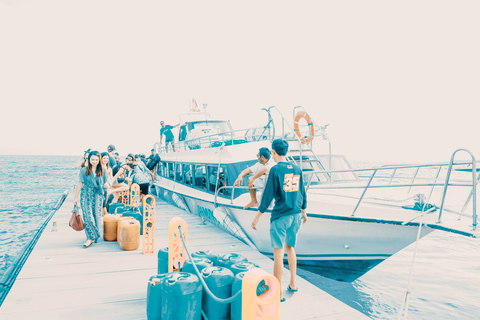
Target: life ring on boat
pixel 303 115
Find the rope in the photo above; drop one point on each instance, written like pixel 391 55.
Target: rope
pixel 228 300
pixel 404 308
pixel 203 314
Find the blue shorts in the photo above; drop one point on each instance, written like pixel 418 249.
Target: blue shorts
pixel 284 230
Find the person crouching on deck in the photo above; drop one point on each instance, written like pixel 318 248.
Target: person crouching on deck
pixel 285 185
pixel 259 170
pixel 90 192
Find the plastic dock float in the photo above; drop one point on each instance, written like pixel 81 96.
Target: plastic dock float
pixel 62 279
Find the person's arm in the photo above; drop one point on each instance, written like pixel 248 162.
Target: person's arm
pixel 80 163
pixel 77 192
pixel 304 215
pixel 260 173
pixel 266 200
pixel 119 173
pixel 304 194
pixel 176 125
pixel 242 174
pixel 106 178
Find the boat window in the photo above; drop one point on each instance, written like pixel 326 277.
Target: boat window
pixel 200 180
pixel 187 174
pixel 178 175
pixel 162 169
pixel 220 126
pixel 171 170
pixel 212 179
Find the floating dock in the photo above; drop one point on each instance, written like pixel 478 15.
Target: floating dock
pixel 64 280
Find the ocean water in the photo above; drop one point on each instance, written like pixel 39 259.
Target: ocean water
pixel 446 274
pixel 30 187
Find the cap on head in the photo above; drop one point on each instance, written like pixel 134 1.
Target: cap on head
pixel 162 122
pixel 264 152
pixel 111 147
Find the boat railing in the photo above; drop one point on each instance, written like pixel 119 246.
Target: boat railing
pixel 217 191
pixel 395 176
pixel 216 140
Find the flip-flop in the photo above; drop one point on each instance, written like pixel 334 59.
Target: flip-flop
pixel 282 300
pixel 291 290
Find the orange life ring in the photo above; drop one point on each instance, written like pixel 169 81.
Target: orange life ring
pixel 304 115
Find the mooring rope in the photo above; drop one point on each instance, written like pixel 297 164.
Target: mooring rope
pixel 406 300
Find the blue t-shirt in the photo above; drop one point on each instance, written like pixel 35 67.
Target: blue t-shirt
pixel 92 181
pixel 113 162
pixel 167 131
pixel 285 185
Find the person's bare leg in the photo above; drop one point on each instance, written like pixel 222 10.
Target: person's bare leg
pixel 253 201
pixel 278 266
pixel 117 189
pixel 292 265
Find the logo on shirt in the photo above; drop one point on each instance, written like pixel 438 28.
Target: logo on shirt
pixel 290 182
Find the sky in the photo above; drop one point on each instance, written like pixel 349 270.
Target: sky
pixel 397 81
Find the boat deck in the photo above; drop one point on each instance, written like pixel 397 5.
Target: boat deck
pixel 63 280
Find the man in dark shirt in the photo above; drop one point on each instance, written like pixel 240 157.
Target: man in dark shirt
pixel 285 185
pixel 153 160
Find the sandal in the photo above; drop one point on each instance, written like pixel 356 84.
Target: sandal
pixel 291 290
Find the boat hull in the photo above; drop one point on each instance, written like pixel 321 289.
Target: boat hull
pixel 334 247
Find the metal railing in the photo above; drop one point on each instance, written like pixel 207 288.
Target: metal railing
pixel 217 191
pixel 217 139
pixel 445 182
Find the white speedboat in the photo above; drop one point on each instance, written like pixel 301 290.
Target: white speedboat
pixel 357 218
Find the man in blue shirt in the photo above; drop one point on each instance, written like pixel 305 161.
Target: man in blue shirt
pixel 166 131
pixel 285 185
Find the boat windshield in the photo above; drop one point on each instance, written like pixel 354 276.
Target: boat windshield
pixel 219 126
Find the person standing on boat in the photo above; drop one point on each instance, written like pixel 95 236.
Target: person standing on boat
pixel 90 193
pixel 285 185
pixel 166 131
pixel 259 170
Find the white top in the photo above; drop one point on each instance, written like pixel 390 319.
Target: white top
pixel 259 166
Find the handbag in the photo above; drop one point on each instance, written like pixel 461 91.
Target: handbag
pixel 76 221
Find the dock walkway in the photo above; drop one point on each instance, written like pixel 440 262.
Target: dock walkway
pixel 63 280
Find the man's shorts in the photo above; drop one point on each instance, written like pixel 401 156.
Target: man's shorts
pixel 259 183
pixel 284 230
